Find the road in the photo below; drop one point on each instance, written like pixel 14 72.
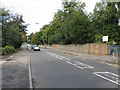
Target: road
pixel 51 69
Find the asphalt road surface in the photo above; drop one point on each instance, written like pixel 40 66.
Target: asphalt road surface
pixel 56 70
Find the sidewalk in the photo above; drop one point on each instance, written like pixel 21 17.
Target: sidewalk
pixel 6 57
pixel 15 73
pixel 106 59
pixel 3 57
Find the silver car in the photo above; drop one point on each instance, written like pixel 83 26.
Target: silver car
pixel 36 48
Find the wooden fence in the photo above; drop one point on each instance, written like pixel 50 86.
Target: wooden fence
pixel 100 49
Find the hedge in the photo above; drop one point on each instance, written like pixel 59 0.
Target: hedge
pixel 0 51
pixel 7 50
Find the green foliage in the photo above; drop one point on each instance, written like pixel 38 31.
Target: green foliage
pixel 7 50
pixel 12 29
pixel 105 22
pixel 0 51
pixel 72 25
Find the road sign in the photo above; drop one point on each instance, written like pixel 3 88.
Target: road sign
pixel 105 38
pixel 119 22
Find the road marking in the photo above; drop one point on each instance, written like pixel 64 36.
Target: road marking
pixel 11 57
pixel 58 56
pixel 79 65
pixel 55 55
pixel 74 65
pixel 114 78
pixel 1 62
pixel 64 57
pixel 84 65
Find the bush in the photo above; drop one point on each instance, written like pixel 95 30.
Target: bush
pixel 7 50
pixel 0 51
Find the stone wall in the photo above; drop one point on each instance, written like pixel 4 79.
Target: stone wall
pixel 99 49
pixel 82 49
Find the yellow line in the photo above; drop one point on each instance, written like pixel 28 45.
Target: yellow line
pixel 110 64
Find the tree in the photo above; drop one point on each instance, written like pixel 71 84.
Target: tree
pixel 76 23
pixel 12 28
pixel 72 25
pixel 105 21
pixel 69 26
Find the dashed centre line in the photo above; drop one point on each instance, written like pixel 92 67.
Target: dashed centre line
pixel 58 56
pixel 79 65
pixel 74 63
pixel 83 65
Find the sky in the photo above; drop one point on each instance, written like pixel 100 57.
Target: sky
pixel 37 13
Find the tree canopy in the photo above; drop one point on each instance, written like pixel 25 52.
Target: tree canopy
pixel 72 25
pixel 12 28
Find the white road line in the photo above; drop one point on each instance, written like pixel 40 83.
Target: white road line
pixel 67 60
pixel 64 57
pixel 78 63
pixel 11 57
pixel 113 74
pixel 58 56
pixel 74 65
pixel 85 65
pixel 55 55
pixel 1 62
pixel 98 74
pixel 109 73
pixel 7 59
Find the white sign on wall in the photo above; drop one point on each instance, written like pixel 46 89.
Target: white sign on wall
pixel 119 22
pixel 105 38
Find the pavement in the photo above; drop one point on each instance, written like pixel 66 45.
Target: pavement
pixel 4 58
pixel 15 71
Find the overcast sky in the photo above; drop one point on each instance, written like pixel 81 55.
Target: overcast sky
pixel 39 11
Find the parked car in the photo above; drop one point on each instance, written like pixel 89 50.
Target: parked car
pixel 36 48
